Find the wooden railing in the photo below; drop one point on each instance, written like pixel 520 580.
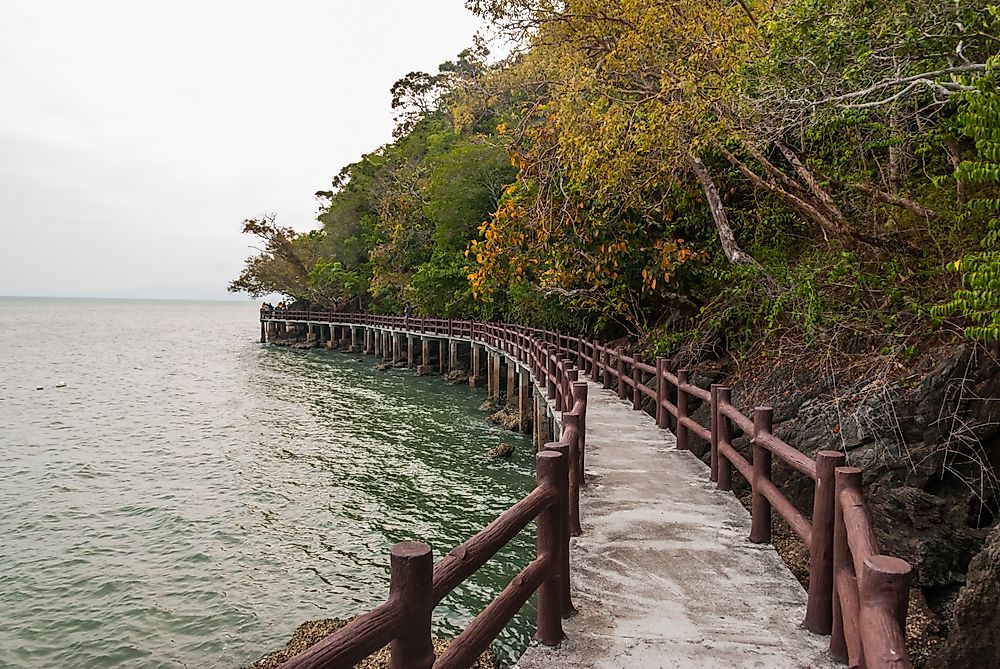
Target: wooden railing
pixel 856 594
pixel 416 584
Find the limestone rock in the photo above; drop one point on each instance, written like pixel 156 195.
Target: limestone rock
pixel 970 645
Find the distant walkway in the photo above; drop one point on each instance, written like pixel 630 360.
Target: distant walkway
pixel 663 575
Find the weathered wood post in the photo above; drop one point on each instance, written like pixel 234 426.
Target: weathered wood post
pixel 551 471
pixel 636 385
pixel 723 467
pixel 845 478
pixel 661 392
pixel 572 376
pixel 410 353
pixel 883 597
pixel 565 529
pixel 760 505
pixel 571 436
pixel 263 331
pixel 354 339
pixel 713 462
pixel 511 394
pixel 620 372
pixel 411 585
pixel 819 609
pixel 523 398
pixel 497 376
pixel 580 390
pixel 474 365
pixel 682 409
pixel 550 368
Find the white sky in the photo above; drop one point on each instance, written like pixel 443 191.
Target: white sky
pixel 135 136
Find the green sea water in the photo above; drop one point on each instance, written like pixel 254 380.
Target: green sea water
pixel 179 495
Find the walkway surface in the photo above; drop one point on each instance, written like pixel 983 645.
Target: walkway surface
pixel 663 575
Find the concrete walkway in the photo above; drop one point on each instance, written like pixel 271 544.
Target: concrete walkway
pixel 663 575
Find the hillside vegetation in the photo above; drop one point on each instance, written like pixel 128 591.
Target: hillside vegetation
pixel 805 169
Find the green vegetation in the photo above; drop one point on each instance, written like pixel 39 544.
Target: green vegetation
pixel 804 169
pixel 978 300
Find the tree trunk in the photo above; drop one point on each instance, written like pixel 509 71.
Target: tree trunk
pixel 732 250
pixel 821 196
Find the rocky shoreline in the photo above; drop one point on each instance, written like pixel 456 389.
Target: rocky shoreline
pixel 312 632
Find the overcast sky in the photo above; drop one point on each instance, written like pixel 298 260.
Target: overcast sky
pixel 135 136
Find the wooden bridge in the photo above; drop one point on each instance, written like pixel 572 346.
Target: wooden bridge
pixel 665 570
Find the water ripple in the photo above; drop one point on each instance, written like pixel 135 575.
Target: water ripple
pixel 189 496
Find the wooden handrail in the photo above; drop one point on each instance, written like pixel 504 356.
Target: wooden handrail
pixel 855 593
pixel 550 503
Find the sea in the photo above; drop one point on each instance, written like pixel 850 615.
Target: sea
pixel 175 494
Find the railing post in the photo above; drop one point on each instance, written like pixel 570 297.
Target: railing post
pixel 411 585
pixel 565 527
pixel 724 468
pixel 819 609
pixel 661 392
pixel 845 478
pixel 682 410
pixel 713 462
pixel 760 507
pixel 620 372
pixel 636 383
pixel 572 376
pixel 580 390
pixel 606 368
pixel 551 471
pixel 884 585
pixel 550 372
pixel 580 354
pixel 571 436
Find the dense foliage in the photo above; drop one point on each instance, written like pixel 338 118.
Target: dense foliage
pixel 729 166
pixel 979 297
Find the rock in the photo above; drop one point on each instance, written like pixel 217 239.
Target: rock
pixel 383 366
pixel 502 450
pixel 506 418
pixel 457 376
pixel 425 370
pixel 314 631
pixel 488 405
pixel 922 528
pixel 973 641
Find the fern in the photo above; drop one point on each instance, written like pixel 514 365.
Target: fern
pixel 978 300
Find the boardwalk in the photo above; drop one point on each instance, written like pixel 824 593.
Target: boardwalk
pixel 663 575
